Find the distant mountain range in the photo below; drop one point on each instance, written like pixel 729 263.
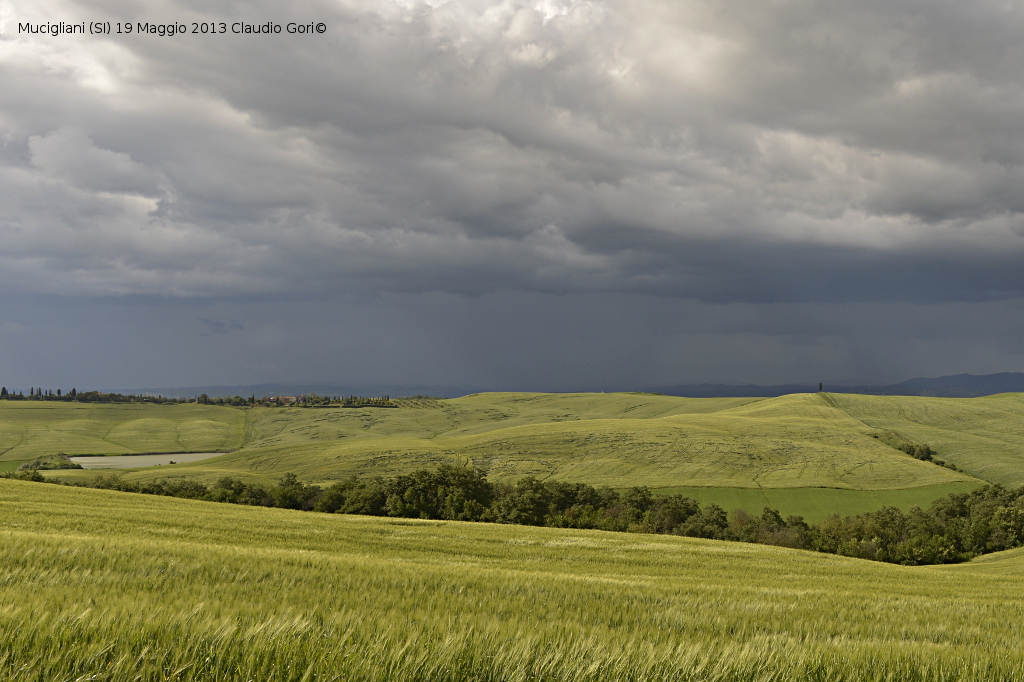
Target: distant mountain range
pixel 953 386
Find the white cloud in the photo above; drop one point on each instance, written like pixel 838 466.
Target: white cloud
pixel 68 154
pixel 690 149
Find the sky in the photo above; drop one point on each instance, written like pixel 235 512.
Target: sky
pixel 543 195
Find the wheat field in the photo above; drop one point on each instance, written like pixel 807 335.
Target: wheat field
pixel 98 585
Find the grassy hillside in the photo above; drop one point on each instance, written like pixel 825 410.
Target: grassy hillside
pixel 32 429
pixel 619 440
pixel 806 454
pixel 112 586
pixel 983 436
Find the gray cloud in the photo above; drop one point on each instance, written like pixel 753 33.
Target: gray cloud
pixel 506 340
pixel 220 327
pixel 747 153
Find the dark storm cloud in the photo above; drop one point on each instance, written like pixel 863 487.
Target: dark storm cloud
pixel 546 194
pixel 745 151
pixel 502 341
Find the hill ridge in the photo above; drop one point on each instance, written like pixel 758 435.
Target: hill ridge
pixel 948 386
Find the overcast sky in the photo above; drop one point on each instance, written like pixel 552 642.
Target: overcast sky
pixel 512 195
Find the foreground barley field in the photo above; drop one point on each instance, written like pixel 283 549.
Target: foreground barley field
pixel 111 586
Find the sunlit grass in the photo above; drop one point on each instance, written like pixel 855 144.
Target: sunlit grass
pixel 619 440
pixel 984 436
pixel 808 454
pixel 112 586
pixel 33 429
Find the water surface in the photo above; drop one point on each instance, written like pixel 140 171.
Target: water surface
pixel 134 461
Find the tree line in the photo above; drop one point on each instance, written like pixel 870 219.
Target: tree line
pixel 955 528
pixel 74 395
pixel 311 400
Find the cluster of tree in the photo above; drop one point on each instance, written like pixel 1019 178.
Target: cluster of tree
pixel 82 397
pixel 916 450
pixel 955 528
pixel 311 400
pixel 925 454
pixel 235 401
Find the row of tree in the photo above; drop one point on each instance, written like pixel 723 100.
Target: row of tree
pixel 84 396
pixel 234 401
pixel 311 400
pixel 955 528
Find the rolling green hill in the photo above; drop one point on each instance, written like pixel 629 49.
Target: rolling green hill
pixel 984 436
pixel 797 441
pixel 809 454
pixel 32 429
pixel 113 586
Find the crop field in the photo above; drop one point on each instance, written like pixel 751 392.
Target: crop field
pixel 101 585
pixel 982 435
pixel 32 429
pixel 806 454
pixel 619 440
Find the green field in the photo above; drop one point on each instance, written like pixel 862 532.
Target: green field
pixel 984 436
pixel 805 453
pixel 98 585
pixel 31 429
pixel 815 504
pixel 616 439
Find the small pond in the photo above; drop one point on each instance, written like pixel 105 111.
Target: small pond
pixel 133 461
